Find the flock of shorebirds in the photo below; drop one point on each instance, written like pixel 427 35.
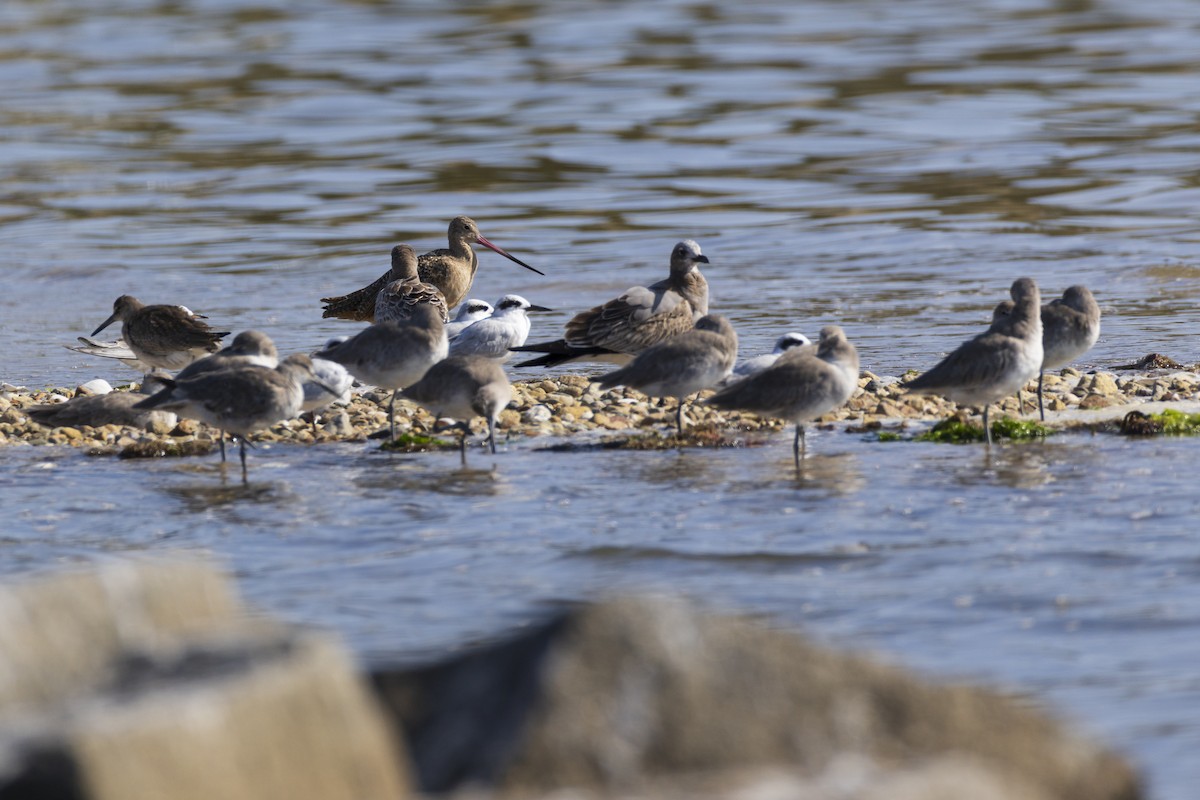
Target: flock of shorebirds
pixel 668 342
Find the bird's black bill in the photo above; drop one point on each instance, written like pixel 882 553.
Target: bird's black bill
pixel 497 249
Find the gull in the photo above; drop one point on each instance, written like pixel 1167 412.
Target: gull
pixel 800 386
pixel 462 388
pixel 494 336
pixel 393 355
pixel 640 318
pixel 451 270
pixel 682 365
pixel 164 336
pixel 994 364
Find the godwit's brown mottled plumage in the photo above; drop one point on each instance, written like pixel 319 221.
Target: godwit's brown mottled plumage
pixel 686 363
pixel 462 388
pixel 640 318
pixel 994 364
pixel 800 386
pixel 396 300
pixel 164 336
pixel 451 270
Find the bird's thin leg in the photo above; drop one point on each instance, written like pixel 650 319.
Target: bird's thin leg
pixel 492 434
pixel 221 439
pixel 1041 408
pixel 392 414
pixel 799 444
pixel 679 418
pixel 242 443
pixel 987 428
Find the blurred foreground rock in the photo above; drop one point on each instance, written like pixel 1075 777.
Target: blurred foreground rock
pixel 650 698
pixel 149 680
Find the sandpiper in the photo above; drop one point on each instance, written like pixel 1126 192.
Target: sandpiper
pixel 112 408
pixel 1070 326
pixel 393 355
pixel 470 312
pixel 240 399
pixel 462 388
pixel 640 318
pixel 452 270
pixel 756 364
pixel 494 336
pixel 395 301
pixel 686 363
pixel 800 386
pixel 161 335
pixel 994 364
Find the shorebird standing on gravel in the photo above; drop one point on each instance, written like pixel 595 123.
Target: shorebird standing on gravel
pixel 994 364
pixel 1070 326
pixel 682 365
pixel 451 270
pixel 160 335
pixel 470 312
pixel 393 355
pixel 494 336
pixel 396 300
pixel 462 388
pixel 239 399
pixel 640 318
pixel 800 386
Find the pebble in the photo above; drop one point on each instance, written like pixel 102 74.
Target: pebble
pixel 95 386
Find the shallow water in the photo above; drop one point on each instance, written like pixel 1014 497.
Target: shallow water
pixel 890 167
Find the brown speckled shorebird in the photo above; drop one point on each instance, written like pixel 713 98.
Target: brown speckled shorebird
pixel 462 388
pixel 800 386
pixel 239 399
pixel 396 300
pixel 682 365
pixel 392 355
pixel 1070 326
pixel 640 318
pixel 996 363
pixel 164 336
pixel 451 270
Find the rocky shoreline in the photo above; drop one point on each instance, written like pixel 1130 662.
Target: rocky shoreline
pixel 567 405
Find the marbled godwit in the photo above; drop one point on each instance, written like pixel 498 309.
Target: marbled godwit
pixel 494 336
pixel 686 363
pixel 640 318
pixel 165 336
pixel 240 399
pixel 451 270
pixel 756 364
pixel 470 312
pixel 393 355
pixel 462 388
pixel 800 386
pixel 994 364
pixel 1070 326
pixel 396 300
pixel 113 408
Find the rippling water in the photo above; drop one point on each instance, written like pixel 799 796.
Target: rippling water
pixel 889 167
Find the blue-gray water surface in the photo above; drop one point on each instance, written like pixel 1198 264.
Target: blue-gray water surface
pixel 889 167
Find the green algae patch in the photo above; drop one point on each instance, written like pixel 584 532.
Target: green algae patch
pixel 166 448
pixel 1019 430
pixel 952 431
pixel 888 436
pixel 410 442
pixel 1169 423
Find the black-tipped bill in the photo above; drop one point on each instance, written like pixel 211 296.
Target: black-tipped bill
pixel 508 255
pixel 538 308
pixel 105 324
